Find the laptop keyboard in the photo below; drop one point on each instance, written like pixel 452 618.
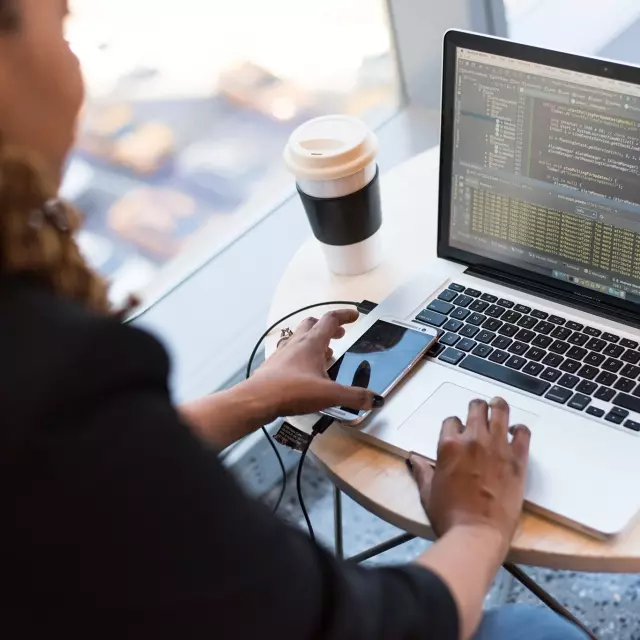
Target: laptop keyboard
pixel 542 354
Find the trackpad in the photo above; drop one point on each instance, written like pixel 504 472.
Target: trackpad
pixel 420 432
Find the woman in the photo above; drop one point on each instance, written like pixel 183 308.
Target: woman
pixel 118 520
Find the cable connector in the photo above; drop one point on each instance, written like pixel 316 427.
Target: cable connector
pixel 366 307
pixel 322 425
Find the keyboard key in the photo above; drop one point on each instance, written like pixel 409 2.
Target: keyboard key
pixel 544 327
pixel 632 424
pixel 463 301
pixel 541 315
pixel 590 331
pixel 595 411
pixel 562 333
pixel 542 341
pixel 476 318
pixel 453 325
pixel 436 350
pixel 557 394
pixel 527 322
pixel 489 298
pixel 468 331
pixel 504 375
pixel 612 365
pixel 482 350
pixel 628 344
pixel 441 307
pixel 533 368
pixel 577 353
pixel 499 356
pixel 587 387
pixel 485 336
pixel 474 293
pixel 594 359
pixel 491 324
pixel 505 303
pixel 511 316
pixel 494 311
pixel 610 337
pixel 612 417
pixel 449 339
pixel 478 305
pixel 605 378
pixel 636 391
pixel 520 308
pixel 626 402
pixel 460 313
pixel 568 381
pixel 550 374
pixel 447 295
pixel 570 366
pixel 502 342
pixel 604 393
pixel 552 360
pixel 630 371
pixel 508 330
pixel 588 372
pixel 452 356
pixel 556 319
pixel 524 335
pixel 456 287
pixel 432 318
pixel 595 344
pixel 574 326
pixel 630 356
pixel 579 402
pixel 559 347
pixel 518 348
pixel 515 362
pixel 578 339
pixel 613 350
pixel 466 345
pixel 624 384
pixel 535 353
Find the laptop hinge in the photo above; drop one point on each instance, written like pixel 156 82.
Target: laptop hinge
pixel 599 309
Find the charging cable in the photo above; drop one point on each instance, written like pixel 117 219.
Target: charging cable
pixel 364 308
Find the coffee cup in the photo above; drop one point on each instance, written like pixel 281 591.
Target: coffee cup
pixel 334 161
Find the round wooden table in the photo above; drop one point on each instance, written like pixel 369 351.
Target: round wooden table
pixel 375 479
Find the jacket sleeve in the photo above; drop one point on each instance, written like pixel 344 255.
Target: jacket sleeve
pixel 144 523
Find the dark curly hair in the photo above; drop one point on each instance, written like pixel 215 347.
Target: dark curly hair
pixel 8 15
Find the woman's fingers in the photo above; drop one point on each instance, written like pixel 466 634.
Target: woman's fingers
pixel 306 325
pixel 477 425
pixel 422 471
pixel 499 421
pixel 329 325
pixel 332 394
pixel 521 442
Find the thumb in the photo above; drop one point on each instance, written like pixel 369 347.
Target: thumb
pixel 352 397
pixel 422 471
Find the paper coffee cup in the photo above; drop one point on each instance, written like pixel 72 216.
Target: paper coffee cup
pixel 333 159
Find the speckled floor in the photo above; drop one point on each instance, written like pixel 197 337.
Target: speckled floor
pixel 608 604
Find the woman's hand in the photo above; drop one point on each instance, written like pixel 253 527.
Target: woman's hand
pixel 479 477
pixel 295 377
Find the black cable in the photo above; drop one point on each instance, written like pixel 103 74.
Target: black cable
pixel 312 535
pixel 365 307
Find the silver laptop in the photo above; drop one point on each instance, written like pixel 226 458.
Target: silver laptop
pixel 536 290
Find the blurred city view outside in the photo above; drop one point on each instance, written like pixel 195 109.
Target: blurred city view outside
pixel 189 106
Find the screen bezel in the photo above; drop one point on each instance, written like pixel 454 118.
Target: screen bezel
pixel 353 418
pixel 602 68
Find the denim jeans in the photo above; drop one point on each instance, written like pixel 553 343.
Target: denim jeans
pixel 520 622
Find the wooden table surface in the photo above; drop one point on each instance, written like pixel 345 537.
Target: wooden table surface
pixel 378 480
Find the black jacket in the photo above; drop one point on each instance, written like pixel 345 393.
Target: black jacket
pixel 118 523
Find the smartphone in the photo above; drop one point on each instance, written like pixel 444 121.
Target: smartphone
pixel 378 360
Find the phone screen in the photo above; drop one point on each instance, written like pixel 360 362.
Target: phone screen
pixel 378 357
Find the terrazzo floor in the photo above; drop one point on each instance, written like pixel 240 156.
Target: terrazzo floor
pixel 608 604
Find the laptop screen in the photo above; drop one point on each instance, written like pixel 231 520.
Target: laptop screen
pixel 546 171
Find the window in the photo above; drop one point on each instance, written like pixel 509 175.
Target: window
pixel 189 107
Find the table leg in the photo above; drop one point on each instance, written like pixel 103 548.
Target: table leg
pixel 337 522
pixel 544 596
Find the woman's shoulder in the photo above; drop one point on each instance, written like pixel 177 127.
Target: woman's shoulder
pixel 53 345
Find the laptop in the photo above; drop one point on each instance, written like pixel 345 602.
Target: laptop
pixel 536 289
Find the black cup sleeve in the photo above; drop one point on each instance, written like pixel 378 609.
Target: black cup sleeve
pixel 346 220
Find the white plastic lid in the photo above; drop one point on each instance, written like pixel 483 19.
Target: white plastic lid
pixel 330 147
